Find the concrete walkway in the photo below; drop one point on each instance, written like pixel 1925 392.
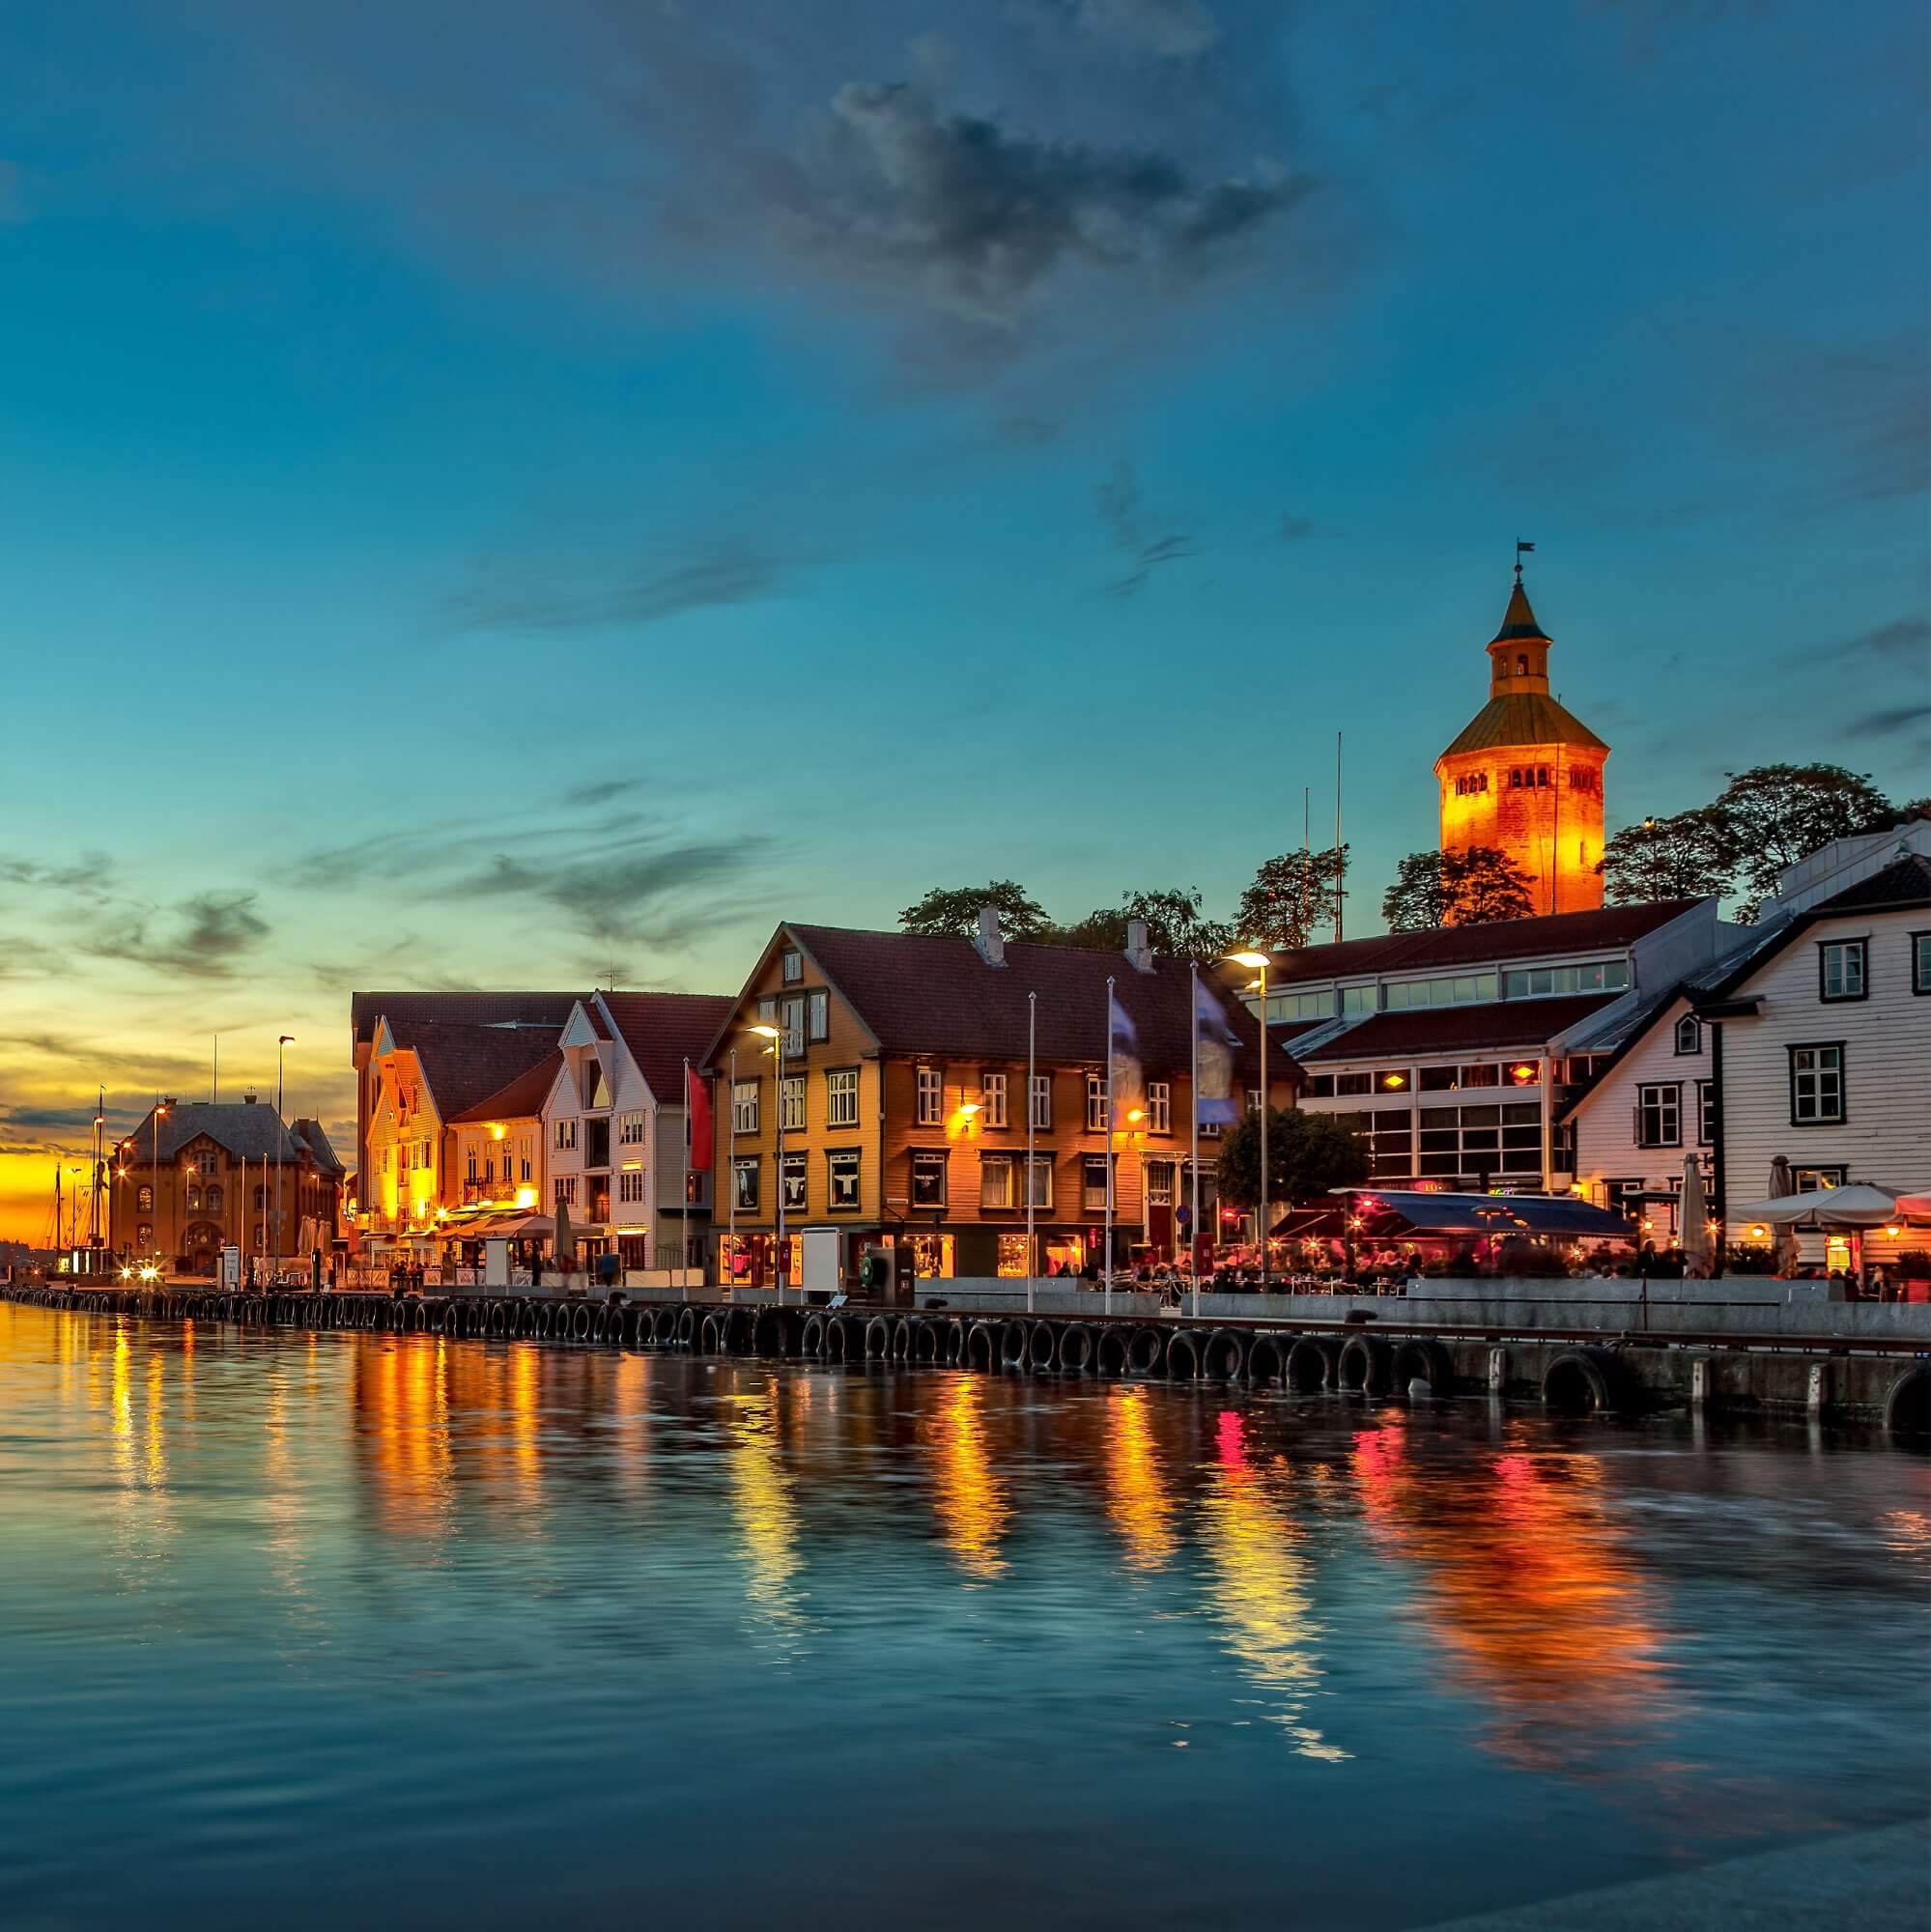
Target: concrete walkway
pixel 1875 1881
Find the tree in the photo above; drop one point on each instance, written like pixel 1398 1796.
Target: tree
pixel 1175 925
pixel 1308 1154
pixel 1291 896
pixel 954 913
pixel 1780 813
pixel 1691 856
pixel 1478 887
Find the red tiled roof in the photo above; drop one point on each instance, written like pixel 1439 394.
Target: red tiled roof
pixel 467 1064
pixel 1607 928
pixel 663 1029
pixel 1501 1024
pixel 520 1100
pixel 406 1010
pixel 925 995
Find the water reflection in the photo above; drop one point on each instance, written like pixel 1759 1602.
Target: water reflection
pixel 1139 1500
pixel 765 1507
pixel 1262 1584
pixel 971 1499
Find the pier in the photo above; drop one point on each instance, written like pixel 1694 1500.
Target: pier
pixel 1871 1380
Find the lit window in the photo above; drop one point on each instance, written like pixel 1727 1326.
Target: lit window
pixel 931 1110
pixel 1159 1184
pixel 841 1170
pixel 566 1135
pixel 842 1097
pixel 566 1191
pixel 629 1129
pixel 992 1099
pixel 744 1180
pixel 928 1180
pixel 1816 1086
pixel 794 1183
pixel 1159 1107
pixel 1841 968
pixel 629 1185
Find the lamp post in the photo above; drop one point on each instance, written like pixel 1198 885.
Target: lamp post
pixel 775 1035
pixel 155 1179
pixel 281 1146
pixel 1258 963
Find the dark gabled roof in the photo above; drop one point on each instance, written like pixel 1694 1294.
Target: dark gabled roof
pixel 311 1135
pixel 1522 718
pixel 1501 1023
pixel 405 1012
pixel 1902 886
pixel 520 1100
pixel 1451 947
pixel 245 1129
pixel 663 1030
pixel 466 1063
pixel 919 994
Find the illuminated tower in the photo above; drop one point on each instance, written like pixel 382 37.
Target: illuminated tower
pixel 1524 777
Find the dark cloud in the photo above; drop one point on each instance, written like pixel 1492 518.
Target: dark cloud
pixel 208 936
pixel 1901 640
pixel 88 876
pixel 602 792
pixel 1116 499
pixel 1304 529
pixel 1889 721
pixel 504 598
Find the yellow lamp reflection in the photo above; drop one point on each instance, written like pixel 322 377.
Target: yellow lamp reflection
pixel 765 1506
pixel 1261 1589
pixel 971 1499
pixel 1138 1499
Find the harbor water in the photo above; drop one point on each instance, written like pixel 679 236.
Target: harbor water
pixel 320 1629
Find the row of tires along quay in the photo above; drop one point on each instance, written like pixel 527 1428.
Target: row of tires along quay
pixel 1610 1376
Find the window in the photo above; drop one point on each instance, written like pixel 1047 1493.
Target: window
pixel 194 1200
pixel 1092 1184
pixel 1159 1184
pixel 842 1097
pixel 1659 1115
pixel 1706 1112
pixel 1319 1087
pixel 596 1144
pixel 992 1097
pixel 1389 1134
pixel 523 1161
pixel 1461 990
pixel 1042 1099
pixel 630 1184
pixel 260 1198
pixel 791 1103
pixel 143 1236
pixel 818 1015
pixel 1688 1034
pixel 932 1109
pixel 1159 1107
pixel 1814 1180
pixel 144 1200
pixel 1360 998
pixel 1920 962
pixel 471 1163
pixel 1477 1143
pixel 1253 1100
pixel 1096 1104
pixel 1353 1083
pixel 928 1180
pixel 744 1180
pixel 996 1181
pixel 841 1178
pixel 792 1176
pixel 1601 975
pixel 1840 970
pixel 793 965
pixel 743 1106
pixel 1817 1085
pixel 215 1200
pixel 1301 1006
pixel 629 1129
pixel 566 1135
pixel 1582 781
pixel 566 1191
pixel 767 1010
pixel 1043 1181
pixel 792 1010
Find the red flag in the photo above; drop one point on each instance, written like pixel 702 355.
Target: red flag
pixel 698 1122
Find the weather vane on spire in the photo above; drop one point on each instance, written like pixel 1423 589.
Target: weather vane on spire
pixel 1521 548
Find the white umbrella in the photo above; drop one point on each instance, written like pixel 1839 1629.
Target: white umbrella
pixel 1787 1248
pixel 1856 1205
pixel 1693 1215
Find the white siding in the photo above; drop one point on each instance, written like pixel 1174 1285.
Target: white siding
pixel 1886 1137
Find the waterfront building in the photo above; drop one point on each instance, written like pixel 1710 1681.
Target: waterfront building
pixel 903 1097
pixel 1525 777
pixel 1455 1053
pixel 1751 1056
pixel 207 1179
pixel 612 1124
pixel 495 1175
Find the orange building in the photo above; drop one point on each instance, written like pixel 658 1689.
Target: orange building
pixel 1525 778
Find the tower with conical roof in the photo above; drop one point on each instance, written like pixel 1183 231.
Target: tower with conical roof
pixel 1524 777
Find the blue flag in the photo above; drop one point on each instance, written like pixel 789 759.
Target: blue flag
pixel 1123 1069
pixel 1214 1042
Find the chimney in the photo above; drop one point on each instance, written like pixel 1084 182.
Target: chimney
pixel 989 940
pixel 1139 955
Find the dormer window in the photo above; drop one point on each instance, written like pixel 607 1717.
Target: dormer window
pixel 794 966
pixel 1688 1034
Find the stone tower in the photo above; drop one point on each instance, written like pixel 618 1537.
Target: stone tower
pixel 1524 777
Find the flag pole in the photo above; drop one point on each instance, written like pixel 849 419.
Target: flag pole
pixel 731 1220
pixel 684 1206
pixel 1031 1039
pixel 1193 1100
pixel 1107 1304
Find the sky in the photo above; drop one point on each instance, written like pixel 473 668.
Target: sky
pixel 500 495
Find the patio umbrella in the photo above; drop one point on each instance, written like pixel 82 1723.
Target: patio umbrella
pixel 1857 1204
pixel 1694 1218
pixel 1786 1247
pixel 565 1240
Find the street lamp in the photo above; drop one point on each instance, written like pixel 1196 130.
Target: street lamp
pixel 1257 962
pixel 281 1143
pixel 155 1179
pixel 775 1035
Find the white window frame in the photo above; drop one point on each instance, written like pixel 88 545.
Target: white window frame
pixel 927 1160
pixel 840 1162
pixel 1159 1106
pixel 565 1189
pixel 745 1182
pixel 1667 1109
pixel 1095 1103
pixel 791 1010
pixel 791 1103
pixel 1689 1035
pixel 1004 1167
pixel 1841 953
pixel 1041 1100
pixel 817 1014
pixel 745 1108
pixel 630 1184
pixel 930 1108
pixel 794 1179
pixel 841 1096
pixel 1093 1200
pixel 992 1099
pixel 565 1141
pixel 1814 1080
pixel 791 965
pixel 1706 1112
pixel 1041 1170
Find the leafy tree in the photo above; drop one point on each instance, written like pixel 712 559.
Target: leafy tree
pixel 1781 814
pixel 1290 898
pixel 1308 1154
pixel 1478 887
pixel 1175 925
pixel 1691 856
pixel 953 914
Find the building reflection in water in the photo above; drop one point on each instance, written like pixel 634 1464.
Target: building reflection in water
pixel 1138 1499
pixel 764 1503
pixel 970 1497
pixel 1260 1586
pixel 1535 1603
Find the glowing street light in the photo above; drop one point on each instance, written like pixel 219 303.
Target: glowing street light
pixel 1257 963
pixel 775 1035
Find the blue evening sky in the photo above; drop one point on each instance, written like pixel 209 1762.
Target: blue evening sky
pixel 506 493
